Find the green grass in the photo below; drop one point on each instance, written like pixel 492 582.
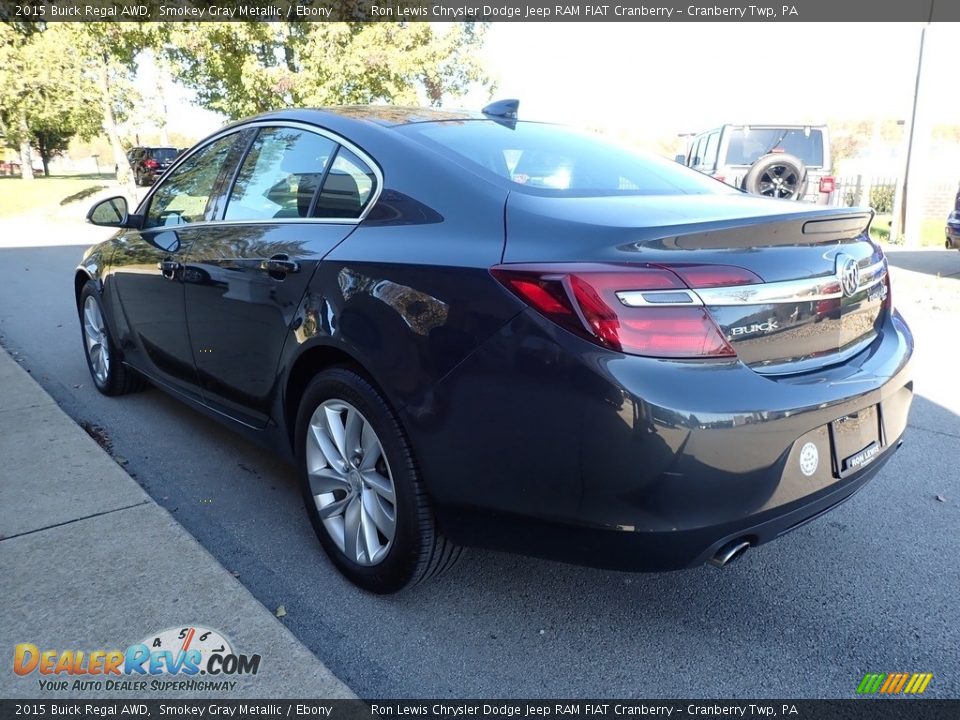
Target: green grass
pixel 931 230
pixel 880 228
pixel 20 196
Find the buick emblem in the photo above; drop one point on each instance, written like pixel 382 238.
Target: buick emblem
pixel 848 272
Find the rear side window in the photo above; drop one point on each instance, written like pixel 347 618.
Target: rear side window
pixel 280 176
pixel 545 159
pixel 347 189
pixel 183 196
pixel 695 153
pixel 709 160
pixel 747 145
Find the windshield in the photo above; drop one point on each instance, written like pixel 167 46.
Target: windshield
pixel 552 160
pixel 747 145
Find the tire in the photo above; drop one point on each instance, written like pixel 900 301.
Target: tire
pixel 109 374
pixel 355 492
pixel 777 175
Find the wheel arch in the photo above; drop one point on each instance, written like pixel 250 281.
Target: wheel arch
pixel 307 364
pixel 80 278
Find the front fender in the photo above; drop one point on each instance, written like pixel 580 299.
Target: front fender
pixel 95 261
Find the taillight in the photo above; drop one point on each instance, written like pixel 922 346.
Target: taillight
pixel 721 178
pixel 151 164
pixel 642 310
pixel 828 184
pixel 705 276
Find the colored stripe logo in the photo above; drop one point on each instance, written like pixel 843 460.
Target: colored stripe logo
pixel 894 683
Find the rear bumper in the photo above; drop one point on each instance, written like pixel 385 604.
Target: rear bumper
pixel 655 551
pixel 152 175
pixel 578 454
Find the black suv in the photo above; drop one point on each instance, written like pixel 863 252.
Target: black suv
pixel 148 163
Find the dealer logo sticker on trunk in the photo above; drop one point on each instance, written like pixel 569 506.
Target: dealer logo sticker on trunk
pixel 809 459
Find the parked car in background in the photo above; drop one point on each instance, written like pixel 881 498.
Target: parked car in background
pixel 13 167
pixel 953 229
pixel 790 162
pixel 466 329
pixel 149 163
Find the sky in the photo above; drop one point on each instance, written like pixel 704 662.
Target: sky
pixel 685 77
pixel 660 79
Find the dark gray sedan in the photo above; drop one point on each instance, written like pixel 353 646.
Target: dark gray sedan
pixel 466 329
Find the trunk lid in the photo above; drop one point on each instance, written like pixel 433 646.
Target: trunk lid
pixel 823 292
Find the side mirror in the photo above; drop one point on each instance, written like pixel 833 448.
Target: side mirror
pixel 111 212
pixel 682 159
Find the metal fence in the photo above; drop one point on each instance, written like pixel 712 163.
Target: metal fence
pixel 865 191
pixel 938 198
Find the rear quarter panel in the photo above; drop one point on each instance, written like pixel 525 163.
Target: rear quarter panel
pixel 408 294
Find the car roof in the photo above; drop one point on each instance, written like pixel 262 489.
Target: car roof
pixel 817 126
pixel 383 115
pixel 390 116
pixel 760 126
pixel 364 125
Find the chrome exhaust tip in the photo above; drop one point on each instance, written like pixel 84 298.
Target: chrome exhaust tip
pixel 730 552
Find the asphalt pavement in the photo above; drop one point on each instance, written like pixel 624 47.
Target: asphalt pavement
pixel 871 587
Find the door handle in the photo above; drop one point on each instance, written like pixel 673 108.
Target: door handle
pixel 168 268
pixel 281 265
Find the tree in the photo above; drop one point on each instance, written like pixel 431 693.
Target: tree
pixel 47 96
pixel 110 51
pixel 242 68
pixel 49 144
pixel 70 79
pixel 14 91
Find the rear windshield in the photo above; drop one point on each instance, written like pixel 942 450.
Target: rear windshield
pixel 162 154
pixel 552 160
pixel 747 145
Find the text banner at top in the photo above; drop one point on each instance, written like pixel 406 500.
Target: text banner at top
pixel 470 10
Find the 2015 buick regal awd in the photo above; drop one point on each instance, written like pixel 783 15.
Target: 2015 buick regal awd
pixel 469 330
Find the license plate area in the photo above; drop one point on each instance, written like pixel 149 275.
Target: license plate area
pixel 856 440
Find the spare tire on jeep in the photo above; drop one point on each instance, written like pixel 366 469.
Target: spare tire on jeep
pixel 777 175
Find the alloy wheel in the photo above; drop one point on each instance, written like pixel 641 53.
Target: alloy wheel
pixel 779 181
pixel 351 482
pixel 95 334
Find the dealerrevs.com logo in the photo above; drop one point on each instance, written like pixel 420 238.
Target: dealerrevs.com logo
pixel 182 653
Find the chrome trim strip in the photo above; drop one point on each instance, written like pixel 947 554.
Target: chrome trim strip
pixel 787 291
pixel 648 298
pixel 868 285
pixel 306 127
pixel 265 221
pixel 872 274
